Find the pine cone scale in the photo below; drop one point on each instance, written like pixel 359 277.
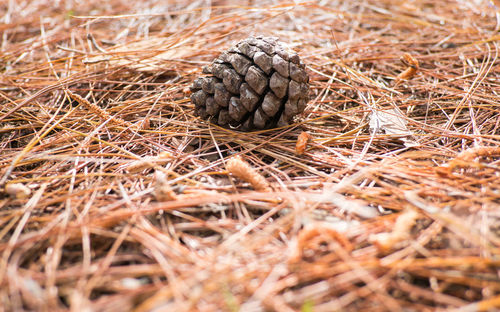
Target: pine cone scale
pixel 236 110
pixel 221 96
pixel 271 104
pixel 280 65
pixel 208 84
pixel 231 80
pixel 297 74
pixel 248 97
pixel 279 85
pixel 256 79
pixel 240 63
pixel 264 61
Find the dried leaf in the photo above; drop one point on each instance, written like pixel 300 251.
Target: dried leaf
pixel 392 122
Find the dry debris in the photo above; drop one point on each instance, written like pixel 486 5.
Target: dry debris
pixel 101 113
pixel 242 170
pixel 400 232
pixel 412 69
pixel 163 191
pixel 466 157
pixel 150 161
pixel 393 123
pixel 316 237
pixel 302 141
pixel 18 190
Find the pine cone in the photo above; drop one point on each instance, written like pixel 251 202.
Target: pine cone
pixel 257 84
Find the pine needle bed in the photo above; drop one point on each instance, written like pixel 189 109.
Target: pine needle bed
pixel 384 195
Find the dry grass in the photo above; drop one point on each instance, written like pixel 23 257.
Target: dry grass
pixel 94 101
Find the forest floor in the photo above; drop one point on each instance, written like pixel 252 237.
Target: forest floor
pixel 114 196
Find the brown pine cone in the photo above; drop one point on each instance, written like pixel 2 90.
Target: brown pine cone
pixel 257 84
